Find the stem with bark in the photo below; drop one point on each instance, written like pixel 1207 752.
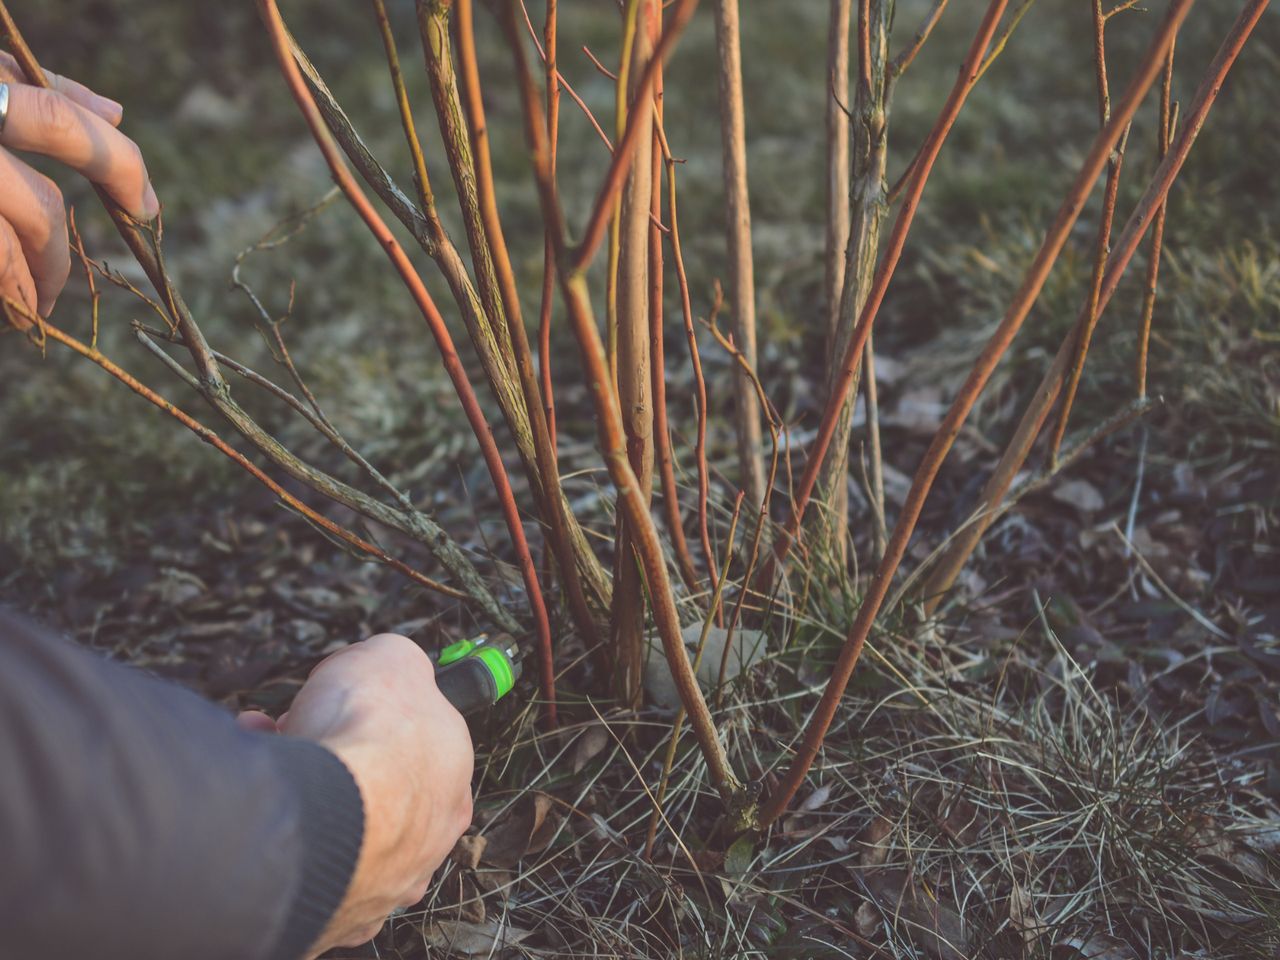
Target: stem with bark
pixel 555 510
pixel 983 367
pixel 1154 199
pixel 634 384
pixel 866 213
pixel 742 292
pixel 444 342
pixel 571 269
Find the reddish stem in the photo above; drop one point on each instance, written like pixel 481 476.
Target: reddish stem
pixel 1030 289
pixel 602 209
pixel 444 342
pixel 888 263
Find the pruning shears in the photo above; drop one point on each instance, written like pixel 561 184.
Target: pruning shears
pixel 476 673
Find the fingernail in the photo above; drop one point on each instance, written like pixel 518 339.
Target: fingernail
pixel 150 203
pixel 111 111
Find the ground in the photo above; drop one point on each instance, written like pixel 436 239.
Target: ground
pixel 1080 759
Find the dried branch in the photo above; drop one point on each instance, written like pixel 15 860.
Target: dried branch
pixel 22 319
pixel 452 363
pixel 555 509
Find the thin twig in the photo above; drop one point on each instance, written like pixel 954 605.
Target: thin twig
pixel 851 362
pixel 695 358
pixel 677 724
pixel 449 355
pixel 624 153
pixel 1084 331
pixel 1168 121
pixel 13 310
pixel 612 440
pixel 1033 282
pixel 903 60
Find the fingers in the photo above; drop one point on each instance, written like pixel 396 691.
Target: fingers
pixel 15 277
pixel 77 93
pixel 255 721
pixel 32 205
pixel 49 123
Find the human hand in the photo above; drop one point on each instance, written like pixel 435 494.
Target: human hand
pixel 376 706
pixel 77 127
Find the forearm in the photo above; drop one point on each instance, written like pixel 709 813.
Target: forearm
pixel 135 815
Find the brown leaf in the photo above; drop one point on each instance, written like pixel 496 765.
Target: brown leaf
pixel 526 829
pixel 928 922
pixel 1100 947
pixel 594 739
pixel 471 904
pixel 1022 914
pixel 866 919
pixel 492 881
pixel 874 842
pixel 467 851
pixel 461 938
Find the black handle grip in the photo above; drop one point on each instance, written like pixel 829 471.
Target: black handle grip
pixel 467 684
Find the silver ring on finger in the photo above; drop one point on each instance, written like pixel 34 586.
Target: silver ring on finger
pixel 4 105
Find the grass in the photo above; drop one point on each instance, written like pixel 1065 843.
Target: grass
pixel 1049 772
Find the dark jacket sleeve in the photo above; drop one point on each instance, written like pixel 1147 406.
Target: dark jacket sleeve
pixel 137 820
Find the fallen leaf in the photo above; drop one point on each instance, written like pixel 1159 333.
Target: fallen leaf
pixel 1081 494
pixel 875 848
pixel 493 881
pixel 526 829
pixel 1100 946
pixel 468 850
pixel 1022 914
pixel 866 919
pixel 926 921
pixel 816 799
pixel 470 903
pixel 589 744
pixel 461 938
